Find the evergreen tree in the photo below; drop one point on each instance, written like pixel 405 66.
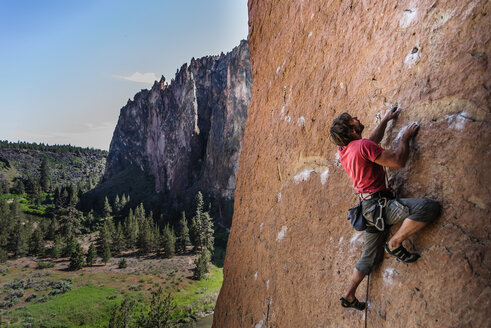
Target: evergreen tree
pixel 145 236
pixel 206 232
pixel 52 229
pixel 118 240
pixel 18 187
pixel 5 223
pixel 168 242
pixel 45 175
pixel 107 208
pixel 19 239
pixel 196 221
pixel 70 247
pixel 160 313
pixel 201 264
pixel 91 255
pixel 70 221
pixel 131 230
pixel 72 195
pixel 90 221
pixel 117 207
pixel 182 240
pixel 124 202
pixel 4 189
pixel 104 239
pixel 121 316
pixel 77 258
pixel 3 256
pixel 106 254
pixel 56 249
pixel 140 213
pixel 36 243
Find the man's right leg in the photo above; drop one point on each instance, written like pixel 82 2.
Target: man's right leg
pixel 415 214
pixel 408 228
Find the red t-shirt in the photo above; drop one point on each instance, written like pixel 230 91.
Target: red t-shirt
pixel 358 161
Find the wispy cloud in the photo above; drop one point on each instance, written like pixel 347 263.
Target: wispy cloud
pixel 148 78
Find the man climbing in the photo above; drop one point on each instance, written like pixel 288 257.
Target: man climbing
pixel 363 160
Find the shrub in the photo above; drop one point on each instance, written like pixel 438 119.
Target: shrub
pixel 45 265
pixel 122 264
pixel 60 287
pixel 15 284
pixel 31 297
pixel 14 293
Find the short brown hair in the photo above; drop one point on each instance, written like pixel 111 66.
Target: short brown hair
pixel 341 130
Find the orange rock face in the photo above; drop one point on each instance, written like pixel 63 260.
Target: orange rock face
pixel 291 251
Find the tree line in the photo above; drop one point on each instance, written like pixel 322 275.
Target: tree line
pixel 52 148
pixel 137 231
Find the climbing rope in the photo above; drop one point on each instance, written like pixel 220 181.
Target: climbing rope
pixel 366 300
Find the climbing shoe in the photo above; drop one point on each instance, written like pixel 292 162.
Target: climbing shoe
pixel 402 254
pixel 353 304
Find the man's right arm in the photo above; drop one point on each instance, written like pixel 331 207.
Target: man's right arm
pixel 397 159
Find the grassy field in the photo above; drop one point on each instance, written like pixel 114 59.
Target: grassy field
pixel 96 290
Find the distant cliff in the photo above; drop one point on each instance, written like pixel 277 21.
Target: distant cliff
pixel 187 134
pixel 291 250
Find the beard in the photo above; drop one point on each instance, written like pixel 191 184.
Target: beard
pixel 359 128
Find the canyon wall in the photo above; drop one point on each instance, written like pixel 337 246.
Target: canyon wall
pixel 291 251
pixel 187 134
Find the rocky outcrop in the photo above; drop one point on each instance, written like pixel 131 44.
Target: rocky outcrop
pixel 188 134
pixel 291 251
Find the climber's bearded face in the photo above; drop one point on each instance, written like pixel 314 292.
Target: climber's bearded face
pixel 356 125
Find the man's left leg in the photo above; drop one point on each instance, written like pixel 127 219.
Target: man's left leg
pixel 372 253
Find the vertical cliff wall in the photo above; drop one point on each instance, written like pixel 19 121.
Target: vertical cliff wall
pixel 188 134
pixel 291 250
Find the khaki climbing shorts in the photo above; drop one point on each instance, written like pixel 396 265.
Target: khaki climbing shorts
pixel 397 210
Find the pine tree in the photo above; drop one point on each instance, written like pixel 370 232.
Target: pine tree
pixel 160 313
pixel 90 220
pixel 71 245
pixel 145 236
pixel 131 230
pixel 52 229
pixel 56 250
pixel 124 202
pixel 182 240
pixel 107 208
pixel 36 243
pixel 206 232
pixel 104 239
pixel 5 223
pixel 45 175
pixel 201 265
pixel 121 316
pixel 168 242
pixel 19 187
pixel 72 195
pixel 118 240
pixel 117 207
pixel 140 213
pixel 106 254
pixel 77 258
pixel 196 222
pixel 19 239
pixel 91 255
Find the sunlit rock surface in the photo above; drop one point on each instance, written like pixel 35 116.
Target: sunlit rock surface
pixel 187 133
pixel 291 250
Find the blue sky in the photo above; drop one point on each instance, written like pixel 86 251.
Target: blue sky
pixel 67 67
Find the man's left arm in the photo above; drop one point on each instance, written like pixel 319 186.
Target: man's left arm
pixel 378 134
